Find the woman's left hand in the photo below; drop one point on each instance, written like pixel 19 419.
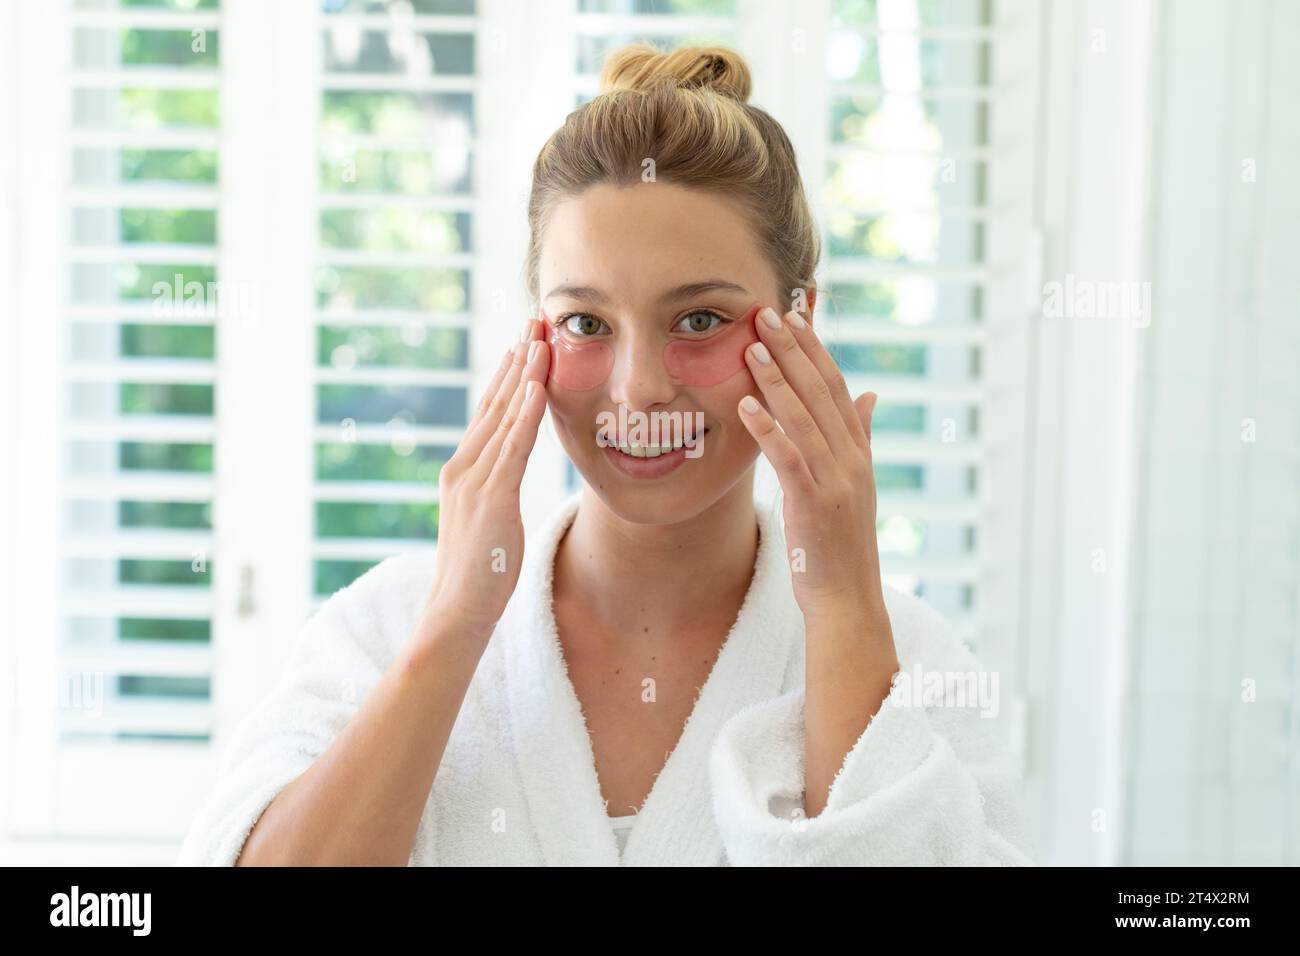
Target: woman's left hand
pixel 822 456
pixel 823 461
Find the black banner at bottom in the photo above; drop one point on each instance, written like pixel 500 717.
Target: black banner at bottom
pixel 337 905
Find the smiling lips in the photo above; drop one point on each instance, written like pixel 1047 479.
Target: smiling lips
pixel 580 367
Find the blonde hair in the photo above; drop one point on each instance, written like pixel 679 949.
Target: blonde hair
pixel 688 111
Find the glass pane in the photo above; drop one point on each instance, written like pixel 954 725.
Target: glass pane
pixel 177 49
pixel 927 13
pixel 395 461
pixel 435 117
pixel 377 404
pixel 854 58
pixel 907 301
pixel 144 109
pixel 413 346
pixel 392 287
pixel 349 49
pixel 438 169
pixel 398 8
pixel 349 519
pixel 712 8
pixel 396 230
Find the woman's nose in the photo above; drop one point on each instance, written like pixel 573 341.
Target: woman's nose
pixel 639 379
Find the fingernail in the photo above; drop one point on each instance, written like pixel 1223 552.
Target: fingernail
pixel 528 327
pixel 529 389
pixel 769 316
pixel 533 349
pixel 796 319
pixel 761 353
pixel 749 404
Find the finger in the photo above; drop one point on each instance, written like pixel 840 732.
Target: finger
pixel 508 470
pixel 477 435
pixel 492 387
pixel 825 364
pixel 807 380
pixel 534 371
pixel 786 408
pixel 786 459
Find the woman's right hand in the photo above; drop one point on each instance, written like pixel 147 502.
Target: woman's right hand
pixel 480 529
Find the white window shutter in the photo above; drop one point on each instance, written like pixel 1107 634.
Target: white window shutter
pixel 395 274
pixel 121 695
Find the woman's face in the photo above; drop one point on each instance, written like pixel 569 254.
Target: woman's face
pixel 612 266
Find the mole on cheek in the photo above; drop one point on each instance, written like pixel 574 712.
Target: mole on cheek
pixel 577 367
pixel 713 360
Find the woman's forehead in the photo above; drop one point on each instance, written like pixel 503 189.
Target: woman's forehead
pixel 644 240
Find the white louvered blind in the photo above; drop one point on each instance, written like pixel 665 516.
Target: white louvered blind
pixel 924 207
pixel 137 160
pixel 395 274
pixel 142 264
pixel 1213 756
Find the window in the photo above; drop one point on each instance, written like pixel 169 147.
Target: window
pixel 905 207
pixel 142 235
pixel 922 172
pixel 394 277
pixel 119 660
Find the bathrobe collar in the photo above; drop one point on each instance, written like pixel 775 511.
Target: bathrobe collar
pixel 549 733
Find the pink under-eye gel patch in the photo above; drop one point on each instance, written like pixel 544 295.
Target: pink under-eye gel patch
pixel 713 360
pixel 577 367
pixel 699 364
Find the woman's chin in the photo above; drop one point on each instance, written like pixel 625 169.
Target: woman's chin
pixel 680 495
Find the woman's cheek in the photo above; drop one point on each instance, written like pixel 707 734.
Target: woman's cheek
pixel 720 404
pixel 570 414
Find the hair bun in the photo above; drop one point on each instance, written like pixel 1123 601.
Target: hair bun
pixel 642 67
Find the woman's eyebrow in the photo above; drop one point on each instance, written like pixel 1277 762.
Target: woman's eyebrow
pixel 692 289
pixel 584 292
pixel 588 293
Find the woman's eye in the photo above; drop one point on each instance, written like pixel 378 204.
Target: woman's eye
pixel 700 321
pixel 581 324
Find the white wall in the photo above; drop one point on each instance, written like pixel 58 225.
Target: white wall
pixel 1163 545
pixel 1214 762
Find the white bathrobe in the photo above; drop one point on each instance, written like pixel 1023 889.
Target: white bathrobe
pixel 517 785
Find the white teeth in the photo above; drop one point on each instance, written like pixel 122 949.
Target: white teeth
pixel 647 451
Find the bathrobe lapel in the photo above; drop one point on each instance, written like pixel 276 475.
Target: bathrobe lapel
pixel 549 732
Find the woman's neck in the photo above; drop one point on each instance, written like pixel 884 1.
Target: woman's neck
pixel 639 581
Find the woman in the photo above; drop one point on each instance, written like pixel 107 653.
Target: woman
pixel 668 674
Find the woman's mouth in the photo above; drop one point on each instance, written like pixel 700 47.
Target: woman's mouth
pixel 650 461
